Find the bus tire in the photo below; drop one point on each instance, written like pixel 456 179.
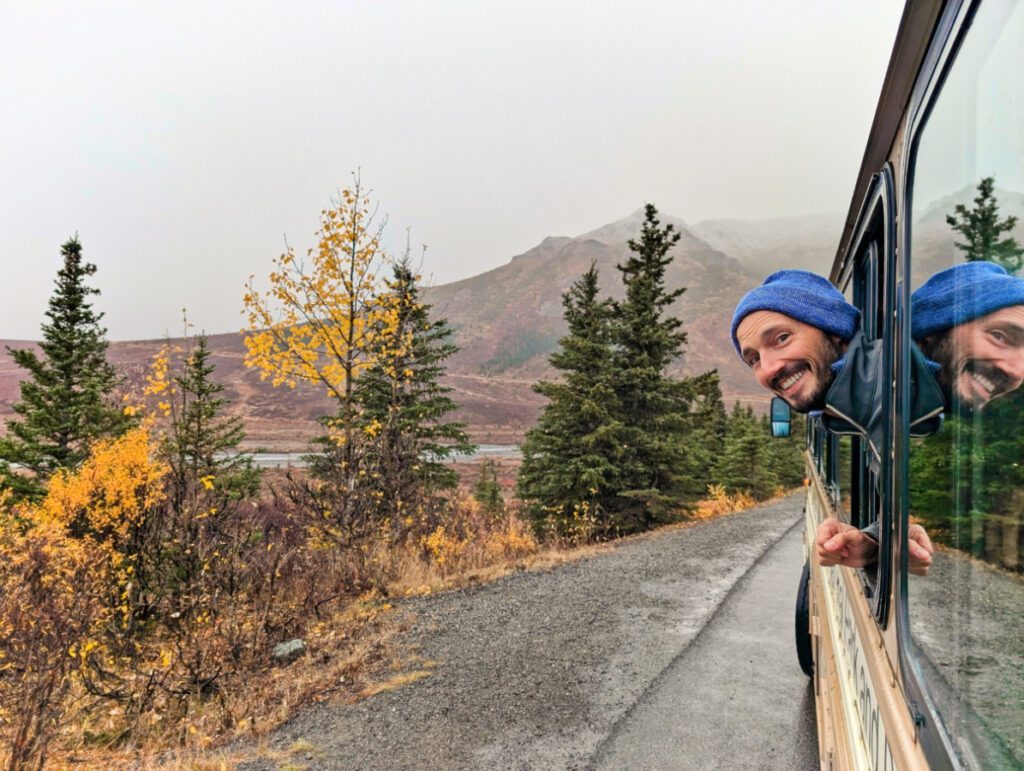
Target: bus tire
pixel 804 648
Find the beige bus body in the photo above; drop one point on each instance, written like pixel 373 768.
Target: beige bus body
pixel 863 720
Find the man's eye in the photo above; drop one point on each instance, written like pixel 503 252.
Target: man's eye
pixel 782 338
pixel 753 360
pixel 997 335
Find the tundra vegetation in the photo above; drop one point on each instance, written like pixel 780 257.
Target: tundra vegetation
pixel 148 571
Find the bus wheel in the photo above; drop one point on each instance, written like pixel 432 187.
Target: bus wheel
pixel 804 653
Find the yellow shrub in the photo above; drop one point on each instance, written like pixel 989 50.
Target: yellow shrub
pixel 111 492
pixel 444 549
pixel 720 502
pixel 512 541
pixel 52 591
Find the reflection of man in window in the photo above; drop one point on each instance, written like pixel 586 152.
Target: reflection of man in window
pixel 970 320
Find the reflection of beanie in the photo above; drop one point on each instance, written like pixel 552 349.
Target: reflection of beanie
pixel 960 294
pixel 803 296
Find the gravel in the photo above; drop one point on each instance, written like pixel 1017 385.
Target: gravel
pixel 535 670
pixel 967 618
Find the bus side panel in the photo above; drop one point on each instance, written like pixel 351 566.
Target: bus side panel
pixel 863 721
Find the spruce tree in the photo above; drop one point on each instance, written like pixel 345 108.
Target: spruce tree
pixel 982 230
pixel 66 400
pixel 651 407
pixel 785 457
pixel 487 490
pixel 202 442
pixel 704 437
pixel 406 437
pixel 570 458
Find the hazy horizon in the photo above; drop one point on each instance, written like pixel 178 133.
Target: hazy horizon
pixel 183 143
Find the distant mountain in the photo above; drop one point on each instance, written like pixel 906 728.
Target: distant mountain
pixel 763 246
pixel 508 320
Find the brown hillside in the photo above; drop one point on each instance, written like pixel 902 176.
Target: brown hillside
pixel 507 321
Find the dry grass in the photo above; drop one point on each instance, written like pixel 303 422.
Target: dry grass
pixel 352 653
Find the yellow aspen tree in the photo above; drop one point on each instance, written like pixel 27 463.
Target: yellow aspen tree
pixel 322 318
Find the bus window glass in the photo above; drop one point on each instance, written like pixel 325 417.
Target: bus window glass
pixel 846 478
pixel 967 316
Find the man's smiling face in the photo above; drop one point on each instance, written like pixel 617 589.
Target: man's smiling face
pixel 789 358
pixel 981 359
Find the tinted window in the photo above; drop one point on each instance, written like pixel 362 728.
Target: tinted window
pixel 967 481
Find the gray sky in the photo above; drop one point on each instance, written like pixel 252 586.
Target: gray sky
pixel 183 140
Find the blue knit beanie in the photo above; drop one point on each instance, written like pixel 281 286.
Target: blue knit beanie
pixel 960 294
pixel 803 296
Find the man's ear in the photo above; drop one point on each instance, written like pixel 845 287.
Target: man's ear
pixel 840 344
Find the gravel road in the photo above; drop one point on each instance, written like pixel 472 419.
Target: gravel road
pixel 967 618
pixel 550 669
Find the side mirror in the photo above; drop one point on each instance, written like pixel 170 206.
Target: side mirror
pixel 781 417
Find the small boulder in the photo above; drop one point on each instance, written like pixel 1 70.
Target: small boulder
pixel 288 651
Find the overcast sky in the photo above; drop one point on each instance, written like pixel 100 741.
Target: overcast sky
pixel 182 141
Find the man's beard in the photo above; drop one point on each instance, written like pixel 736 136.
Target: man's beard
pixel 991 379
pixel 818 367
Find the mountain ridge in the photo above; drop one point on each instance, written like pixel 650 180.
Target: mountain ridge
pixel 508 320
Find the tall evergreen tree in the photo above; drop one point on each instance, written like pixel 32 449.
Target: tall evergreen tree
pixel 66 399
pixel 202 442
pixel 652 408
pixel 403 406
pixel 983 230
pixel 570 458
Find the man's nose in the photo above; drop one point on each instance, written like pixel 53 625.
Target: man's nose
pixel 770 367
pixel 1013 365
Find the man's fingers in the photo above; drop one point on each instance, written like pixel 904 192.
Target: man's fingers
pixel 840 541
pixel 919 536
pixel 920 552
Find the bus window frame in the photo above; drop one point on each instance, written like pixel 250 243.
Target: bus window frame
pixel 869 265
pixel 950 32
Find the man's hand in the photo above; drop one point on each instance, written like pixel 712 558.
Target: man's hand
pixel 838 543
pixel 920 550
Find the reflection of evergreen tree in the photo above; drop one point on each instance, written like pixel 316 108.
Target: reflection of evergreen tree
pixel 932 464
pixel 982 230
pixel 964 480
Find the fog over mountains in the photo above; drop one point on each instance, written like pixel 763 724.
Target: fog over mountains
pixel 508 320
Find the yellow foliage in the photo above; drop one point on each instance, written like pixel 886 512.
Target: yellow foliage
pixel 513 541
pixel 719 502
pixel 52 590
pixel 111 492
pixel 444 548
pixel 320 319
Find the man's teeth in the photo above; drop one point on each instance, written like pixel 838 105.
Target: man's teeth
pixel 984 382
pixel 785 384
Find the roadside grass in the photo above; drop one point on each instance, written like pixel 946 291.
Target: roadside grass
pixel 353 651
